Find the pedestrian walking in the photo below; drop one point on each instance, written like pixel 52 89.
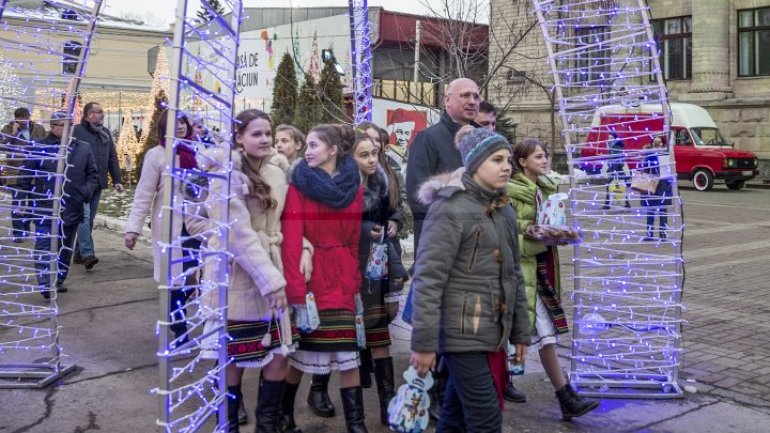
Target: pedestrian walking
pixel 92 131
pixel 433 152
pixel 324 205
pixel 148 200
pixel 256 295
pixel 660 198
pixel 289 142
pixel 380 223
pixel 81 178
pixel 469 299
pixel 528 188
pixel 16 138
pixel 616 170
pixel 487 118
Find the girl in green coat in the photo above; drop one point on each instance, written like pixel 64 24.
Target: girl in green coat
pixel 540 265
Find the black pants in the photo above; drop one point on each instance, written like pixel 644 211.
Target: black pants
pixel 181 295
pixel 470 400
pixel 64 241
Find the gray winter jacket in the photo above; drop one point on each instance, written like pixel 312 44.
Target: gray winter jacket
pixel 469 290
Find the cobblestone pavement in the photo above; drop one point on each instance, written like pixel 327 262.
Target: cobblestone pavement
pixel 727 291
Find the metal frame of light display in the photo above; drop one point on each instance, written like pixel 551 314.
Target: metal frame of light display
pixel 192 386
pixel 361 56
pixel 30 350
pixel 627 285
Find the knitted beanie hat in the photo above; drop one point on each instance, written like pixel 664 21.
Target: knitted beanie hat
pixel 477 145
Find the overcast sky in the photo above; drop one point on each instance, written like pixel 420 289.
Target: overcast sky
pixel 162 11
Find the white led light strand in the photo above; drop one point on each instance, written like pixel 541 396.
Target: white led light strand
pixel 41 67
pixel 361 55
pixel 628 276
pixel 192 387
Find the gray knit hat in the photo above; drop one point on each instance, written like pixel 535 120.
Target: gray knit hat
pixel 476 146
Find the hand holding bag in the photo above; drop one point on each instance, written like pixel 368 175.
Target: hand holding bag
pixel 377 264
pixel 644 182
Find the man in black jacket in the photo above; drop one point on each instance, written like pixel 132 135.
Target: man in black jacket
pixel 433 152
pixel 95 134
pixel 80 181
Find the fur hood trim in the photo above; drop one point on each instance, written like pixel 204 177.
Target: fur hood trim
pixel 441 185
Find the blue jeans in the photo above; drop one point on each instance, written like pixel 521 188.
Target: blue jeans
pixel 85 245
pixel 20 220
pixel 65 238
pixel 470 401
pixel 661 212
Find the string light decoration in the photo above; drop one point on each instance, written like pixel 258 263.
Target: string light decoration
pixel 627 281
pixel 361 55
pixel 193 389
pixel 127 145
pixel 160 82
pixel 37 42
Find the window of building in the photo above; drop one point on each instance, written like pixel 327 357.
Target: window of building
pixel 592 64
pixel 70 56
pixel 753 40
pixel 406 91
pixel 674 37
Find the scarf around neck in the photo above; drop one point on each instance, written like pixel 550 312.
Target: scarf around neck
pixel 336 192
pixel 186 155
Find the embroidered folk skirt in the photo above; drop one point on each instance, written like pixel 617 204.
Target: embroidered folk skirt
pixel 252 343
pixel 332 346
pixel 376 318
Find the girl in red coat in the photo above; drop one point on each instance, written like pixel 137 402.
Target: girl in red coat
pixel 324 204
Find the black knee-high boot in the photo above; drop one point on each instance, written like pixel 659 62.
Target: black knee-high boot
pixel 233 403
pixel 353 403
pixel 386 388
pixel 286 421
pixel 318 397
pixel 268 405
pixel 365 369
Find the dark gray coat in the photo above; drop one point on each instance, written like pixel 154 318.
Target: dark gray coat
pixel 81 178
pixel 104 151
pixel 469 290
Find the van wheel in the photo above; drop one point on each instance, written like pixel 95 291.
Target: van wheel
pixel 703 180
pixel 735 185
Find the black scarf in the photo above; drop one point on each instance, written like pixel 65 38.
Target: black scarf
pixel 99 131
pixel 337 192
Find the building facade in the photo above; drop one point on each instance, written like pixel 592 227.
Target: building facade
pixel 116 73
pixel 714 53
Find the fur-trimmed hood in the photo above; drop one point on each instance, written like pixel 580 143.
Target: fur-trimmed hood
pixel 441 185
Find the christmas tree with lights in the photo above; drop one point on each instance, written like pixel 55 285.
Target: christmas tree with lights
pixel 10 89
pixel 158 92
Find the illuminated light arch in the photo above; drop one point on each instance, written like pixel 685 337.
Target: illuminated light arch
pixel 627 287
pixel 45 77
pixel 361 55
pixel 192 387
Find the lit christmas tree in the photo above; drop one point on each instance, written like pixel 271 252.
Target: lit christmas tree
pixel 315 60
pixel 160 84
pixel 10 89
pixel 127 146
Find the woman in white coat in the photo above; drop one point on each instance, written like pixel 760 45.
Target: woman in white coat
pixel 148 199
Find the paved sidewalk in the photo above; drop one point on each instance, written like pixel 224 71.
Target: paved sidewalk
pixel 108 319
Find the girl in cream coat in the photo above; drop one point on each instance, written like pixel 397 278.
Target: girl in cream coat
pixel 256 296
